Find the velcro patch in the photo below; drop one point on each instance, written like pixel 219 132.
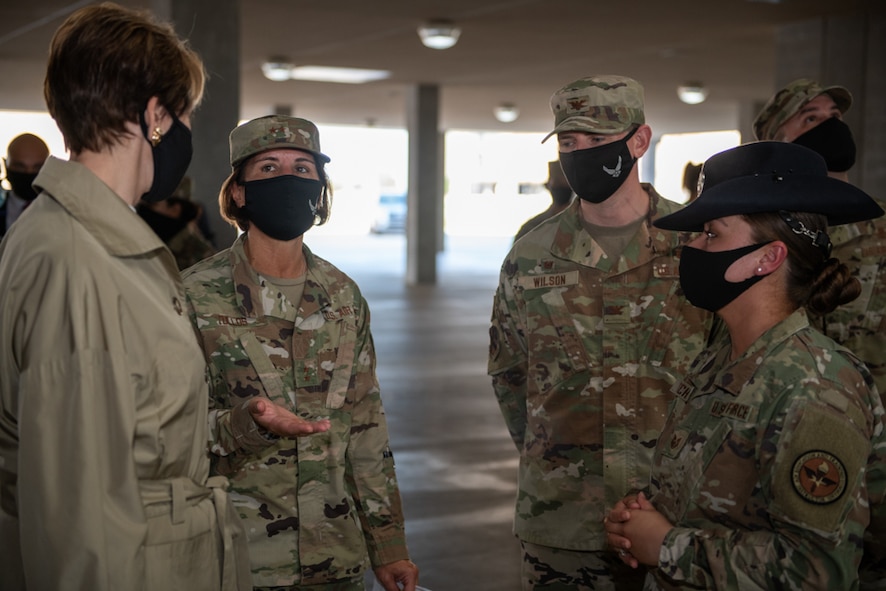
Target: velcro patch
pixel 549 280
pixel 734 410
pixel 683 389
pixel 819 477
pixel 817 473
pixel 343 312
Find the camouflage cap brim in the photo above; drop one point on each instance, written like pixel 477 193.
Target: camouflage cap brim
pixel 605 104
pixel 274 132
pixel 589 125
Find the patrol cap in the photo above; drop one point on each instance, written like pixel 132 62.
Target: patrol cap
pixel 770 176
pixel 598 104
pixel 785 103
pixel 273 132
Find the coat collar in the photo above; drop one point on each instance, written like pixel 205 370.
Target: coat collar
pixel 95 206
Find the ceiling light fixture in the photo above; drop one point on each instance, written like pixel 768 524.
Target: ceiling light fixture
pixel 506 112
pixel 341 75
pixel 692 93
pixel 279 69
pixel 439 34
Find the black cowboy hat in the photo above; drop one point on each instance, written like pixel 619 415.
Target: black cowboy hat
pixel 770 176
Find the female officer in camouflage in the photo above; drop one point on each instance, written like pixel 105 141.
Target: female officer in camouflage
pixel 759 478
pixel 287 333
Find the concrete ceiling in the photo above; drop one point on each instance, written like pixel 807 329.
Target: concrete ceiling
pixel 516 51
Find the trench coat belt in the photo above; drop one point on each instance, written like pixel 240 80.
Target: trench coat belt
pixel 176 495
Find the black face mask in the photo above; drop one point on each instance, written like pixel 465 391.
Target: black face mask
pixel 21 184
pixel 596 173
pixel 283 207
pixel 832 139
pixel 171 159
pixel 703 276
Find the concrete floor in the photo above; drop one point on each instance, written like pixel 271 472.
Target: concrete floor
pixel 455 461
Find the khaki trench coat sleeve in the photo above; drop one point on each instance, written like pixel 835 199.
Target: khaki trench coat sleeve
pixel 87 524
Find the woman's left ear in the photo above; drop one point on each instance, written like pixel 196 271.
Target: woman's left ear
pixel 776 253
pixel 238 194
pixel 157 119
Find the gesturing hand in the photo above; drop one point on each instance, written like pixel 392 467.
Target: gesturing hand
pixel 402 574
pixel 281 421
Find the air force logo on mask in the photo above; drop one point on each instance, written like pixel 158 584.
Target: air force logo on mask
pixel 613 172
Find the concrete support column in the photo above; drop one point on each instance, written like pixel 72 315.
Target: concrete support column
pixel 212 27
pixel 424 224
pixel 849 51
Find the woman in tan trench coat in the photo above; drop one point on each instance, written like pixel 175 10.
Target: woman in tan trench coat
pixel 104 474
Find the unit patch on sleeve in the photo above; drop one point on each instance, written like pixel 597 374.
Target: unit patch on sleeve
pixel 819 477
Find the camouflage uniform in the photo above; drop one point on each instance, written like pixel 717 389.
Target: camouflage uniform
pixel 313 506
pixel 189 246
pixel 584 350
pixel 860 326
pixel 762 463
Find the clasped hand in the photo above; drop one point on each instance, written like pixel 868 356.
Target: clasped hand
pixel 636 530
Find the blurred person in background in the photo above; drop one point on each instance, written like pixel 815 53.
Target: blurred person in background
pixel 176 221
pixel 24 157
pixel 691 173
pixel 561 197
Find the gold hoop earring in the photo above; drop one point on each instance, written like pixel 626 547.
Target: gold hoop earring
pixel 156 136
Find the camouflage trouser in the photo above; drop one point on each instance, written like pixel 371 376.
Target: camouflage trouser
pixel 555 569
pixel 352 585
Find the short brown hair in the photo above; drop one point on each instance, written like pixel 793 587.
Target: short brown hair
pixel 235 215
pixel 105 63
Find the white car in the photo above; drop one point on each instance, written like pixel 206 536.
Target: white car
pixel 390 214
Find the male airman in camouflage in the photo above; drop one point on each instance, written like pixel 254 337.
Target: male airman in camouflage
pixel 589 331
pixel 806 113
pixel 317 506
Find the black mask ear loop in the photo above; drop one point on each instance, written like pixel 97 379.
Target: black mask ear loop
pixel 143 122
pixel 819 239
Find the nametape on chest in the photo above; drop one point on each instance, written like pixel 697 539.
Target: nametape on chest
pixel 683 389
pixel 549 280
pixel 233 320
